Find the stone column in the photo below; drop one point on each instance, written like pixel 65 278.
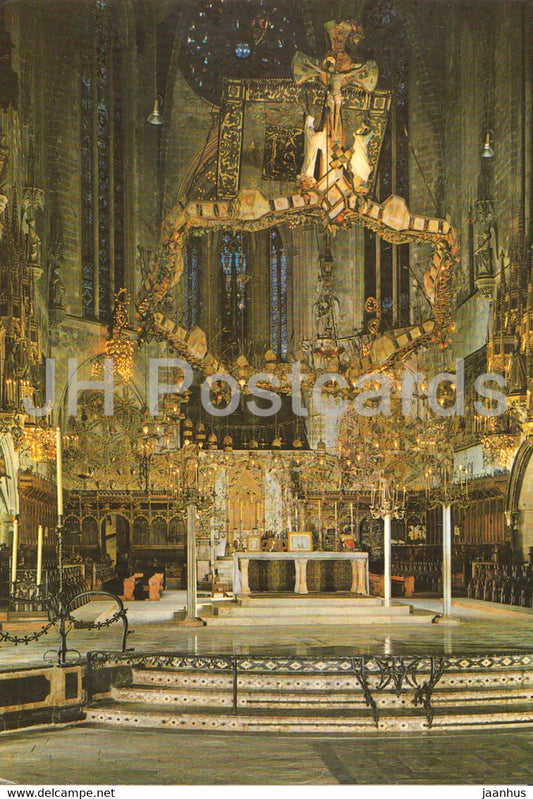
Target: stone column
pixel 348 248
pixel 387 559
pixel 305 266
pixel 259 288
pixel 245 587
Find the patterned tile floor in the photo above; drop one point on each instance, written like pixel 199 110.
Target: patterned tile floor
pixel 98 756
pixel 480 629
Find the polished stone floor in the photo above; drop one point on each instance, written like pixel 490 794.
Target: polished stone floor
pixel 482 627
pixel 92 755
pixel 98 756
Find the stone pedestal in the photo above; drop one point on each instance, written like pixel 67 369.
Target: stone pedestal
pixel 245 586
pixel 359 585
pixel 300 582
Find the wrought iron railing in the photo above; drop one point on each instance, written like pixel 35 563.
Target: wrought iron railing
pixel 60 608
pixel 373 673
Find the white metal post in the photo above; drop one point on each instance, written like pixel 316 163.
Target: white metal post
pixel 446 560
pixel 387 559
pixel 191 618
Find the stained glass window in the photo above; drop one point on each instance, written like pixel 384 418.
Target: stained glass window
pixel 102 154
pixel 278 295
pixel 233 263
pixel 387 265
pixel 241 39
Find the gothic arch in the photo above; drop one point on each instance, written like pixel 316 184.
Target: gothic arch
pixel 520 499
pixel 9 498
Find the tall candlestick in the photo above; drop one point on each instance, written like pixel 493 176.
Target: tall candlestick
pixel 59 475
pixel 39 555
pixel 351 518
pixel 14 548
pixel 336 518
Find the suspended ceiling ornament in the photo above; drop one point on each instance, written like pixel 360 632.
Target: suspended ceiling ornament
pixel 340 197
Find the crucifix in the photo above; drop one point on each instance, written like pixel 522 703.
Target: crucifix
pixel 336 70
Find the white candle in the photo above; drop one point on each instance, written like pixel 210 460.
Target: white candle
pixel 39 554
pixel 59 475
pixel 14 550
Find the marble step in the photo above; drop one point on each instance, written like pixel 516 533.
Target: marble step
pixel 340 699
pixel 137 715
pixel 316 618
pixel 307 600
pixel 183 698
pixel 311 610
pixel 190 679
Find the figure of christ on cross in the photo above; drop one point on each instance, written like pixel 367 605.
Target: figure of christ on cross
pixel 337 70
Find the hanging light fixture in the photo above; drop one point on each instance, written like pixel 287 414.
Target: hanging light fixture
pixel 155 117
pixel 487 152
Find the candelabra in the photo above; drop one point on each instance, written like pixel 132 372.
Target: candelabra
pixel 387 502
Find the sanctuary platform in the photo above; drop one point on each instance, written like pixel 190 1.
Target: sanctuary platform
pixel 357 695
pixel 315 609
pixel 277 676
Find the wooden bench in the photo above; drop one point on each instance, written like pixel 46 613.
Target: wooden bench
pixel 129 586
pixel 155 586
pixel 405 584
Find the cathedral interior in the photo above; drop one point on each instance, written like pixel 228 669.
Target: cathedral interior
pixel 266 362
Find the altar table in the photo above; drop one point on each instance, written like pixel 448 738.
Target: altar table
pixel 359 561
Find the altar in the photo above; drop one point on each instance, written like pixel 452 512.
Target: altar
pixel 357 560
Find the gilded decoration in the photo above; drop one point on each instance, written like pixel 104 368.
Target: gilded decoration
pixel 284 149
pixel 344 119
pixel 230 142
